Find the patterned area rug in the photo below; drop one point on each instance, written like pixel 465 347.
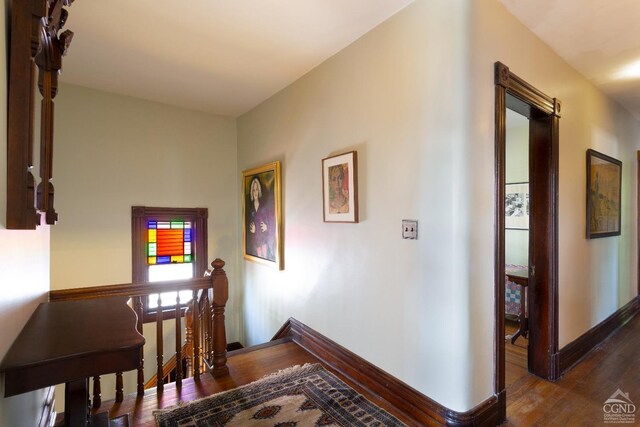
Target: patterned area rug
pixel 297 396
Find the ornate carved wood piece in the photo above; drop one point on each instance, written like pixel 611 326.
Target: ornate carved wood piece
pixel 37 41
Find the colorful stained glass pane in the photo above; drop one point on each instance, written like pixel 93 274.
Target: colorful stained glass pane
pixel 169 242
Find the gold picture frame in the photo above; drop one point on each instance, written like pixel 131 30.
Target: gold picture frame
pixel 261 215
pixel 340 188
pixel 604 195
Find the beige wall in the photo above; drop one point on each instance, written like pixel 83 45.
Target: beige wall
pixel 415 97
pixel 24 275
pixel 395 96
pixel 596 276
pixel 24 271
pixel 113 152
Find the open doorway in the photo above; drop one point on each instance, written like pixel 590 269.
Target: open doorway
pixel 541 273
pixel 516 246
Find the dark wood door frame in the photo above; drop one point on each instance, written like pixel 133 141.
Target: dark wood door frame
pixel 543 113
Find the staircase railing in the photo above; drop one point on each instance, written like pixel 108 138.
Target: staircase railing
pixel 169 369
pixel 205 332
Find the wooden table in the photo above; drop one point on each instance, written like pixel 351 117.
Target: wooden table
pixel 68 342
pixel 521 277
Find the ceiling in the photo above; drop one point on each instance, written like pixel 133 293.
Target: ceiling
pixel 218 56
pixel 225 57
pixel 599 38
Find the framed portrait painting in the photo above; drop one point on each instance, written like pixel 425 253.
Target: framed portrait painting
pixel 516 206
pixel 340 188
pixel 262 220
pixel 604 183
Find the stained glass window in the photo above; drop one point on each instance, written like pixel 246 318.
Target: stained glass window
pixel 169 242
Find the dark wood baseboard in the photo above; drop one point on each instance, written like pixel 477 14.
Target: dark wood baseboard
pixel 232 346
pixel 411 402
pixel 577 349
pixel 486 413
pixel 555 371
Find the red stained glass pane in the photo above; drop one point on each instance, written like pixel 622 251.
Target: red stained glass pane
pixel 171 244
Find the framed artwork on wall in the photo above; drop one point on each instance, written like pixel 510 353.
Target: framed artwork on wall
pixel 604 195
pixel 261 215
pixel 340 188
pixel 516 206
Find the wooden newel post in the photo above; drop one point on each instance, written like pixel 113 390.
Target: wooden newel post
pixel 220 297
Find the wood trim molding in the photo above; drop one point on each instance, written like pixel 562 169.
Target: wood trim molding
pixel 24 42
pixel 139 270
pixel 484 414
pixel 411 402
pixel 573 352
pixel 526 92
pixel 37 42
pixel 139 214
pixel 543 113
pixel 499 220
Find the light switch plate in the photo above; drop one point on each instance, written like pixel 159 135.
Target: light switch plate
pixel 410 229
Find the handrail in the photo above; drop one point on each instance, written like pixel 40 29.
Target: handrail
pixel 130 289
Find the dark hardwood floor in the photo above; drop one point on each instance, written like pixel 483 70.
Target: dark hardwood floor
pixel 515 356
pixel 574 400
pixel 245 366
pixel 577 398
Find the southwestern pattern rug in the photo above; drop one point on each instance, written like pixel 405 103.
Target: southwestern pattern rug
pixel 306 396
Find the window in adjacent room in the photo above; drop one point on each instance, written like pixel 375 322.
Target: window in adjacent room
pixel 168 244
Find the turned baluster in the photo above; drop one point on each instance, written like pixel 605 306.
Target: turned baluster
pixel 119 387
pixel 159 344
pixel 203 325
pixel 97 398
pixel 178 342
pixel 137 301
pixel 195 345
pixel 209 325
pixel 220 297
pixel 188 320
